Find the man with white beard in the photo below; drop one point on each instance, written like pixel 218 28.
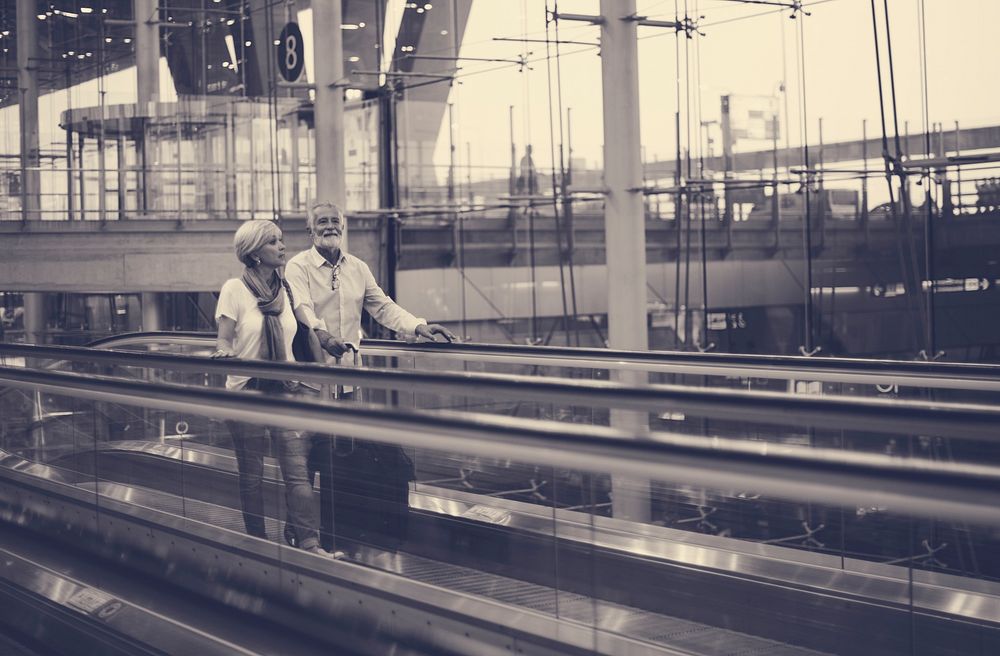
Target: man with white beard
pixel 365 484
pixel 331 287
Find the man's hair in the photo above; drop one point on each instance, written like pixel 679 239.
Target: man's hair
pixel 323 207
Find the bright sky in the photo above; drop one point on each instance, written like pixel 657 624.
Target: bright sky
pixel 747 49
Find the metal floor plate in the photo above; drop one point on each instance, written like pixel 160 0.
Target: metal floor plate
pixel 670 632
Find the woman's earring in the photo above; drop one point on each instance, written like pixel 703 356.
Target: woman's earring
pixel 256 261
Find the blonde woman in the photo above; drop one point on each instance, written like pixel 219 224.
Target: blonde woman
pixel 256 322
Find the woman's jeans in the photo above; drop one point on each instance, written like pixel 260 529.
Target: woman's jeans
pixel 250 443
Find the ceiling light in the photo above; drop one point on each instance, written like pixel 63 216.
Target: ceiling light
pixel 107 39
pixel 428 6
pixel 127 39
pixel 230 21
pixel 355 58
pixel 348 26
pixel 41 16
pixel 361 24
pixel 444 32
pixel 248 43
pixel 86 10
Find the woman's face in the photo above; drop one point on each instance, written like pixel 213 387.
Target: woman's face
pixel 272 253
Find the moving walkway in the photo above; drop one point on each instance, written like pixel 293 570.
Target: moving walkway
pixel 529 575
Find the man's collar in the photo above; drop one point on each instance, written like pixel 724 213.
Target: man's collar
pixel 317 260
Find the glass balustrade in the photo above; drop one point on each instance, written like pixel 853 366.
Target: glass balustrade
pixel 658 553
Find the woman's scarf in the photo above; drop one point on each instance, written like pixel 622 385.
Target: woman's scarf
pixel 271 303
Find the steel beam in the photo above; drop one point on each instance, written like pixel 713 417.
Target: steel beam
pixel 28 55
pixel 328 53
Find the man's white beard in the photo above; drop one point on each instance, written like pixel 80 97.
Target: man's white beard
pixel 331 243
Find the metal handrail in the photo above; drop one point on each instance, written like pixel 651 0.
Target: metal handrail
pixel 922 487
pixel 937 375
pixel 895 416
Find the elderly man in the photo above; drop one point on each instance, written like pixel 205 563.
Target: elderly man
pixel 370 482
pixel 331 287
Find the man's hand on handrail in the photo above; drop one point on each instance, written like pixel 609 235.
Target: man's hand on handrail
pixel 430 330
pixel 334 345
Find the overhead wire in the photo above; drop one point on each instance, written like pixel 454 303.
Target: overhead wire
pixel 272 118
pixel 688 335
pixel 701 195
pixel 529 208
pixel 679 198
pixel 565 199
pixel 929 268
pixel 549 18
pixel 888 161
pixel 807 348
pixel 912 272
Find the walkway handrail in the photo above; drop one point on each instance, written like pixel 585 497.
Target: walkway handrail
pixel 955 490
pixel 937 375
pixel 895 416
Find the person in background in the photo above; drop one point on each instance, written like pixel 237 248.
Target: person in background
pixel 331 287
pixel 256 321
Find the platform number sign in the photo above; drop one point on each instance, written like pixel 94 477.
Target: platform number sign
pixel 291 52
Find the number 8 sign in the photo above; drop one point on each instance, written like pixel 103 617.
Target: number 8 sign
pixel 290 52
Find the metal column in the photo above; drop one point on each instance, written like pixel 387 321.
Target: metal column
pixel 624 223
pixel 147 74
pixel 27 82
pixel 147 53
pixel 328 53
pixel 28 54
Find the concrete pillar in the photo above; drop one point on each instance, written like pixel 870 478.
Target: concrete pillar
pixel 152 310
pixel 147 52
pixel 328 53
pixel 624 225
pixel 147 74
pixel 28 55
pixel 34 317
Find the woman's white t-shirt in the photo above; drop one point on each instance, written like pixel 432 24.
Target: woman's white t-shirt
pixel 237 303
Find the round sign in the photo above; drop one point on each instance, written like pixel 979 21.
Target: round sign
pixel 291 52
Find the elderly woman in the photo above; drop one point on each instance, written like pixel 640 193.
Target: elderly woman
pixel 256 321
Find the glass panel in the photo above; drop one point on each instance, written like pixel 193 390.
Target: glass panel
pixel 664 560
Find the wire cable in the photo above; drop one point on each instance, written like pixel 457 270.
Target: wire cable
pixel 807 348
pixel 549 18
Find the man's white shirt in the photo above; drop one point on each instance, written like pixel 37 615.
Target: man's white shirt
pixel 338 311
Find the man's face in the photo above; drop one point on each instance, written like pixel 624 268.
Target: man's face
pixel 327 231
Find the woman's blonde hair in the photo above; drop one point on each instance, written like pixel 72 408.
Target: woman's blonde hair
pixel 251 236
